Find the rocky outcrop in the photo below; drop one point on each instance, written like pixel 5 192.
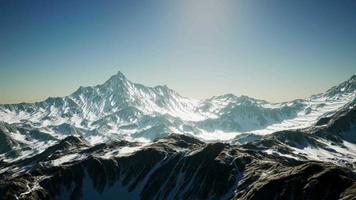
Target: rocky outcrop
pixel 306 181
pixel 176 167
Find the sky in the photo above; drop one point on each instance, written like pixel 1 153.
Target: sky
pixel 277 50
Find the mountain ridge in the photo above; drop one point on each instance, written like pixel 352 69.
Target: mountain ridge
pixel 120 74
pixel 122 138
pixel 121 109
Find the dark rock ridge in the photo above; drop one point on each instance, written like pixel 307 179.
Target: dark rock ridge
pixel 175 167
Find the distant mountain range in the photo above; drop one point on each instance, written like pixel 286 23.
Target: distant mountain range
pixel 151 143
pixel 120 109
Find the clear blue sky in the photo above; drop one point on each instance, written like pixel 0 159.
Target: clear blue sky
pixel 276 50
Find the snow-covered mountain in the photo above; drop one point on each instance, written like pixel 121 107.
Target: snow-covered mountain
pixel 124 139
pixel 89 104
pixel 121 109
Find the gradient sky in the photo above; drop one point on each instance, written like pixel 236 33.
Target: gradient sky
pixel 275 50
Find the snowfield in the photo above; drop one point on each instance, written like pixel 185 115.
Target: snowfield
pixel 120 109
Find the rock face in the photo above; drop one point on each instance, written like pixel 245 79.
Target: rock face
pixel 173 167
pixel 306 181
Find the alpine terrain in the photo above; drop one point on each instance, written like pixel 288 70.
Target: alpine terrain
pixel 123 140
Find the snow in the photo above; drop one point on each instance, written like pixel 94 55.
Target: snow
pixel 157 100
pixel 216 135
pixel 66 158
pixel 124 151
pixel 273 152
pixel 128 150
pixel 350 146
pixel 19 137
pixel 86 109
pixel 336 154
pixel 319 106
pixel 343 154
pixel 95 139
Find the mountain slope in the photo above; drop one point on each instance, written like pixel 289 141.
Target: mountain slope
pixel 332 141
pixel 173 167
pixel 117 139
pixel 120 109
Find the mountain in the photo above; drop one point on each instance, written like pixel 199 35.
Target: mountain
pixel 122 139
pixel 89 104
pixel 121 109
pixel 172 167
pixel 333 141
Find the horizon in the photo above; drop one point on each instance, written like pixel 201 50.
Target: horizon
pixel 276 51
pixel 202 99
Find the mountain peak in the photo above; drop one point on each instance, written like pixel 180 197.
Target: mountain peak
pixel 119 76
pixel 346 87
pixel 350 82
pixel 118 79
